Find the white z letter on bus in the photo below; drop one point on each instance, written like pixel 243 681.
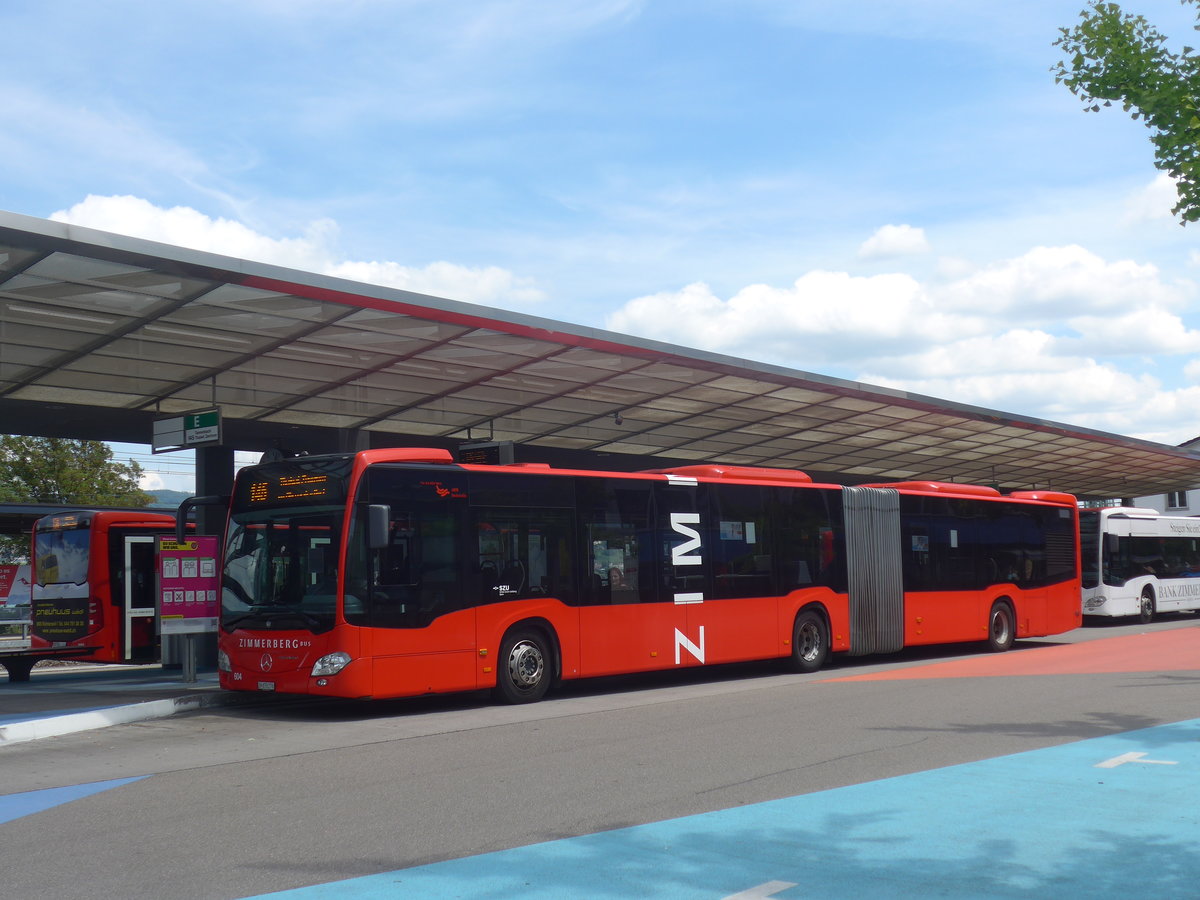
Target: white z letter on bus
pixel 697 650
pixel 679 524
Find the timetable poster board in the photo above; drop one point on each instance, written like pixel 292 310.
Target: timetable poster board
pixel 188 579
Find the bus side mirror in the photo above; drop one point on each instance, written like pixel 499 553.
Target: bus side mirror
pixel 379 520
pixel 1112 544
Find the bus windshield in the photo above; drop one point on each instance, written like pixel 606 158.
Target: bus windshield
pixel 280 570
pixel 61 557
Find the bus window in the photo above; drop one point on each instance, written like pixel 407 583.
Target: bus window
pixel 615 519
pixel 684 537
pixel 419 575
pixel 740 542
pixel 811 552
pixel 523 554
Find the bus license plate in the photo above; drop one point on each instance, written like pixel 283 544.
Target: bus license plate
pixel 266 685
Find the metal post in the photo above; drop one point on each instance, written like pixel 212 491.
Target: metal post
pixel 189 658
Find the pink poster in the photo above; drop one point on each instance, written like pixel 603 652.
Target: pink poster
pixel 188 580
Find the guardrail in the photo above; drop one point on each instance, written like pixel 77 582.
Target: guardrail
pixel 15 622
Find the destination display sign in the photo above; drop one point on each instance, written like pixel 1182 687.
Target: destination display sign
pixel 296 486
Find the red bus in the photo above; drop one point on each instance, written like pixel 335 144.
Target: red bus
pixel 94 584
pixel 398 572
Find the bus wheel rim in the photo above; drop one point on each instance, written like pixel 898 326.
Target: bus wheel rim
pixel 1000 625
pixel 810 641
pixel 526 664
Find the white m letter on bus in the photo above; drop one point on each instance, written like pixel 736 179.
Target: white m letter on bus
pixel 679 524
pixel 697 651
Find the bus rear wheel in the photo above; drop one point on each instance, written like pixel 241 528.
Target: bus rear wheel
pixel 526 667
pixel 1146 607
pixel 810 641
pixel 1002 627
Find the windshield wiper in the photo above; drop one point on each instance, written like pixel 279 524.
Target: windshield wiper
pixel 308 618
pixel 270 614
pixel 230 623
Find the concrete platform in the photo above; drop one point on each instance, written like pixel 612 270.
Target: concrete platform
pixel 62 699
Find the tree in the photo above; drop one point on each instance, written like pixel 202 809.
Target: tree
pixel 1112 56
pixel 57 470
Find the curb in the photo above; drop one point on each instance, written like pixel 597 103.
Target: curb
pixel 53 726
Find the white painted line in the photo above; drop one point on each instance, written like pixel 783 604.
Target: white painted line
pixel 1133 757
pixel 769 889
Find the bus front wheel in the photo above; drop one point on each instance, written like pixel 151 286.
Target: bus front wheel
pixel 1002 627
pixel 810 641
pixel 1146 607
pixel 526 667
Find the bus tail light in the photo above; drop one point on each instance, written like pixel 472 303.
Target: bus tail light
pixel 331 663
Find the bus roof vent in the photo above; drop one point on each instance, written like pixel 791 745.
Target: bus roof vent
pixel 1046 497
pixel 938 487
pixel 1134 512
pixel 736 473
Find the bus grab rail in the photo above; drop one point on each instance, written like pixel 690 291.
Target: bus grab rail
pixel 181 516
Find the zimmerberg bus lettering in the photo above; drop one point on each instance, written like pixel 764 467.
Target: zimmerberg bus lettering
pixel 679 523
pixel 697 650
pixel 680 556
pixel 272 643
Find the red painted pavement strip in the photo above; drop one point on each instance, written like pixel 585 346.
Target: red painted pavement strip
pixel 1174 650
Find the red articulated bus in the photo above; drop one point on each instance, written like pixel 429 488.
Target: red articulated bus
pixel 398 572
pixel 93 593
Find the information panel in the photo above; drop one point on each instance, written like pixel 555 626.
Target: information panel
pixel 196 429
pixel 189 582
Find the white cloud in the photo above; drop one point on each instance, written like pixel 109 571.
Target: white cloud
pixel 185 227
pixel 1051 283
pixel 152 481
pixel 1147 331
pixel 314 251
pixel 894 240
pixel 1057 333
pixel 489 284
pixel 824 317
pixel 1154 201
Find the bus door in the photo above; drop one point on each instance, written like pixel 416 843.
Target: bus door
pixel 628 620
pixel 139 611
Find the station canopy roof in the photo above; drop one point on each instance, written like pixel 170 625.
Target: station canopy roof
pixel 100 334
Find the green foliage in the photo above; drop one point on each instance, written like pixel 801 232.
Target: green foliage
pixel 57 470
pixel 1112 56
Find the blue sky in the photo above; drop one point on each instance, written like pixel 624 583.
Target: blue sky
pixel 894 192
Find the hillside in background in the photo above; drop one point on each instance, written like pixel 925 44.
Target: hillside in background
pixel 167 499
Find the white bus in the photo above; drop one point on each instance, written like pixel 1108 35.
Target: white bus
pixel 1138 562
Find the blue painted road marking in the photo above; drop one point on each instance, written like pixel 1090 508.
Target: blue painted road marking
pixel 1059 820
pixel 14 806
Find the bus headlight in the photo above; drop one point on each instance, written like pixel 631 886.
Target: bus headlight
pixel 223 663
pixel 331 663
pixel 1094 603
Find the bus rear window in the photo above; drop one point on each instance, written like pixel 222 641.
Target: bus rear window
pixel 61 557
